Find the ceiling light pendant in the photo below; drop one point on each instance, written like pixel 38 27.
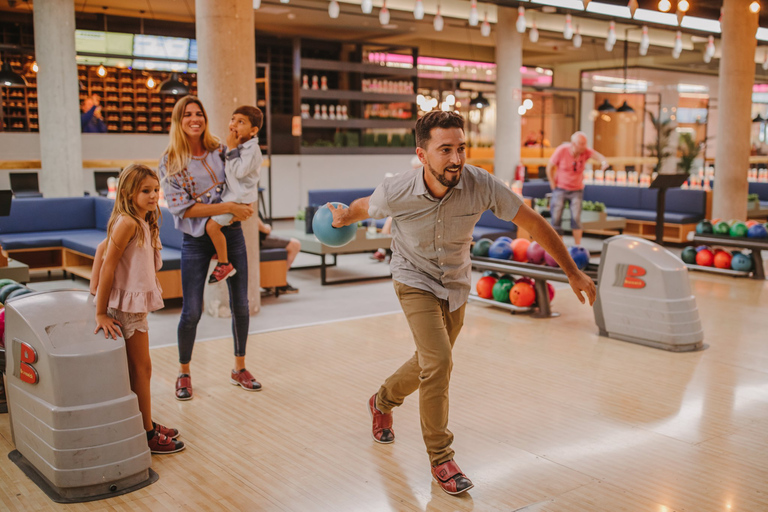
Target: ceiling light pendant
pixel 418 10
pixel 645 41
pixel 102 71
pixel 533 34
pixel 606 107
pixel 150 83
pixel 754 7
pixel 367 6
pixel 664 5
pixel 384 14
pixel 520 25
pixel 284 1
pixel 577 38
pixel 174 86
pixel 9 78
pixel 256 4
pixel 632 7
pixel 485 28
pixel 333 9
pixel 677 49
pixel 568 29
pixel 438 21
pixel 683 5
pixel 473 16
pixel 35 67
pixel 625 108
pixel 758 119
pixel 480 101
pixel 610 41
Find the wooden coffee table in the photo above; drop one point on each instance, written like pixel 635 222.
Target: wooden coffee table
pixel 363 242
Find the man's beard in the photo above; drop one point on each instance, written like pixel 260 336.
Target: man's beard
pixel 442 179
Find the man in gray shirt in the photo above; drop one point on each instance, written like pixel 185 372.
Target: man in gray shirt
pixel 434 210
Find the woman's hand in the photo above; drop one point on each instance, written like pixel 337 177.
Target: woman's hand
pixel 240 211
pixel 110 326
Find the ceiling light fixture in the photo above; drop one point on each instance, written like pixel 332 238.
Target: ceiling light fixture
pixel 333 9
pixel 754 7
pixel 480 101
pixel 665 5
pixel 35 67
pixel 9 78
pixel 150 83
pixel 256 4
pixel 485 28
pixel 520 24
pixel 438 21
pixel 102 71
pixel 632 7
pixel 473 16
pixel 418 10
pixel 568 29
pixel 577 38
pixel 174 86
pixel 683 5
pixel 586 3
pixel 606 106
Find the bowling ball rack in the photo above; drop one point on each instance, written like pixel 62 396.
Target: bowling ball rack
pixel 539 273
pixel 754 244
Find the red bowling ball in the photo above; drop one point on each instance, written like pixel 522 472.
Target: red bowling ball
pixel 484 287
pixel 705 258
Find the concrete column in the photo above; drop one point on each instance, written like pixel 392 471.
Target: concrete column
pixel 58 99
pixel 737 75
pixel 509 94
pixel 670 99
pixel 226 79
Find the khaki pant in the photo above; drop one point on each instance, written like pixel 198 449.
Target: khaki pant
pixel 434 329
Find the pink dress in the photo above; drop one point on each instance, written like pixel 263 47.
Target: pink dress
pixel 135 288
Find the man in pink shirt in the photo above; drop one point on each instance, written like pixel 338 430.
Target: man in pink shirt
pixel 565 172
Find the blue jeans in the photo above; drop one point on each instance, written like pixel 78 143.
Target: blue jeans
pixel 196 256
pixel 556 204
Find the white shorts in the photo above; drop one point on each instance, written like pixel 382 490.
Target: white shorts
pixel 225 219
pixel 131 322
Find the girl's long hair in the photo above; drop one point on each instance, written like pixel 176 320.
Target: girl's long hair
pixel 127 187
pixel 179 150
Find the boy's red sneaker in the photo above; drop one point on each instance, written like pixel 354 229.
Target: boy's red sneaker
pixel 167 432
pixel 221 272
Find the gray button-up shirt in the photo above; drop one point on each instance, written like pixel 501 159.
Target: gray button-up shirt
pixel 431 237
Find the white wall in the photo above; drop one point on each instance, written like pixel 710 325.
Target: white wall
pixel 292 175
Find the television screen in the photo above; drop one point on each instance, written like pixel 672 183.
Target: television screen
pixel 158 65
pixel 161 47
pixel 112 43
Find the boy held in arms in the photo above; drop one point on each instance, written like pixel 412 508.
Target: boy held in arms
pixel 242 180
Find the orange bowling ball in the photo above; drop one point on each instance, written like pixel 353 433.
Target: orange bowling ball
pixel 751 223
pixel 723 259
pixel 520 249
pixel 522 295
pixel 485 287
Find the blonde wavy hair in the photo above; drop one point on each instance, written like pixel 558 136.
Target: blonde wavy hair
pixel 127 188
pixel 179 150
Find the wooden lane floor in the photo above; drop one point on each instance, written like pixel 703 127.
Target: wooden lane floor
pixel 547 415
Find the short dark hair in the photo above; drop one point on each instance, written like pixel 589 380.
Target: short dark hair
pixel 436 119
pixel 253 114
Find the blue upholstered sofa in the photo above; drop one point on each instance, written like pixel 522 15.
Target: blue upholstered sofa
pixel 761 189
pixel 684 208
pixel 63 234
pixel 489 226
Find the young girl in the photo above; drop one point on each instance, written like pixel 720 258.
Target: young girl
pixel 127 289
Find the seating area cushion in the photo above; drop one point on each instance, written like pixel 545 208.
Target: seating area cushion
pixel 536 189
pixel 491 233
pixel 761 189
pixel 612 196
pixel 273 254
pixel 54 214
pixel 650 215
pixel 171 258
pixel 17 241
pixel 340 195
pixel 490 226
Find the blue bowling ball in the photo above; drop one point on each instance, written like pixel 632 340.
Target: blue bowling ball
pixel 500 249
pixel 741 262
pixel 326 233
pixel 580 256
pixel 757 231
pixel 504 239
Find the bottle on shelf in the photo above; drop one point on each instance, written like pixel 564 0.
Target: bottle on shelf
pixel 305 110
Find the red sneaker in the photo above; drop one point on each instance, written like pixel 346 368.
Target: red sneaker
pixel 245 380
pixel 167 432
pixel 164 444
pixel 451 479
pixel 221 272
pixel 382 424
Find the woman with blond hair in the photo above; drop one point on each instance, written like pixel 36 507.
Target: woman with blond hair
pixel 192 177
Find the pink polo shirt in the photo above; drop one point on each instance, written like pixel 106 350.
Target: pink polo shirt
pixel 569 171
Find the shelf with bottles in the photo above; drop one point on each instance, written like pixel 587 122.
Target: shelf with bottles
pixel 371 142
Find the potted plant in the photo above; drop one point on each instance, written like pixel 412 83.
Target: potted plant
pixel 298 220
pixel 689 151
pixel 660 147
pixel 753 201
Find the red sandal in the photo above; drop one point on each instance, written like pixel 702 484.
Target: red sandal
pixel 450 478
